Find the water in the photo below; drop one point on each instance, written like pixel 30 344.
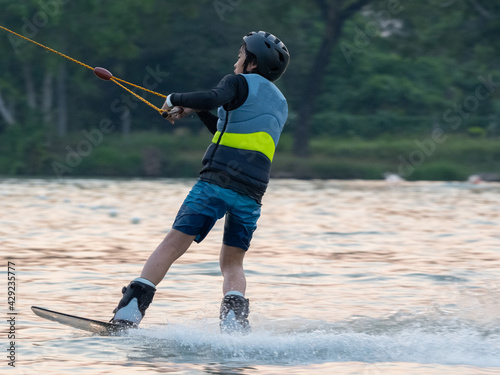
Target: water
pixel 344 277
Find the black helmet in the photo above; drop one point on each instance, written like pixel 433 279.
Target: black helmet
pixel 272 55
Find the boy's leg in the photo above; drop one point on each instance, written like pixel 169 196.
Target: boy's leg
pixel 234 308
pixel 170 249
pixel 137 296
pixel 231 265
pixel 241 222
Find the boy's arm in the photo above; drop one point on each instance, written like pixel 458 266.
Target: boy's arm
pixel 231 92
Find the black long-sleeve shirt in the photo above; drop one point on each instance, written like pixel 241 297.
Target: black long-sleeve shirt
pixel 231 93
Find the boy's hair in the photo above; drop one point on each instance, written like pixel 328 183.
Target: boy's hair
pixel 250 59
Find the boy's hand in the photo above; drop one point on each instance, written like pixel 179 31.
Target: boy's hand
pixel 176 113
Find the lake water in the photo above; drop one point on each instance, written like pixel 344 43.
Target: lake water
pixel 344 277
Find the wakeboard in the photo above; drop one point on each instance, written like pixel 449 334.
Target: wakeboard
pixel 89 325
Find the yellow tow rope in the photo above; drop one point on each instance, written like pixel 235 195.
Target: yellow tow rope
pixel 100 72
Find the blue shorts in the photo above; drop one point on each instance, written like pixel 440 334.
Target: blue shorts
pixel 206 203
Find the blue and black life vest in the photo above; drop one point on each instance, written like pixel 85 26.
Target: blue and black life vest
pixel 243 147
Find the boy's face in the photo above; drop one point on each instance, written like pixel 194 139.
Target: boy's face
pixel 238 66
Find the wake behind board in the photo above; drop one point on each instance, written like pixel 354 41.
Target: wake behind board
pixel 90 325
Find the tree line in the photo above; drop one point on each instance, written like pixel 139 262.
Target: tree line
pixel 359 68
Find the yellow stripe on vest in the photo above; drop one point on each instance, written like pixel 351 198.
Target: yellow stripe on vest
pixel 259 141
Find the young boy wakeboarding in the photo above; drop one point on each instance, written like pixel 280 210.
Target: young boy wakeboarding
pixel 236 170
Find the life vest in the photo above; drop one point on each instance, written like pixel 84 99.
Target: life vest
pixel 243 147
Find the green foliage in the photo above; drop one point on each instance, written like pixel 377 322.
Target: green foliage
pixel 440 171
pixel 179 155
pixel 400 81
pixel 23 150
pixel 476 131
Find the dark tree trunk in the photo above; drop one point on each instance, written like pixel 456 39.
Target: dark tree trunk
pixel 313 86
pixel 335 17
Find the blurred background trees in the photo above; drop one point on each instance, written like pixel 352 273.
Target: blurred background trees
pixel 360 69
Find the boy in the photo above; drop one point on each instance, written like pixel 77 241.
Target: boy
pixel 236 168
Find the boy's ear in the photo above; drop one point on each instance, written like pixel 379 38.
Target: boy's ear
pixel 252 67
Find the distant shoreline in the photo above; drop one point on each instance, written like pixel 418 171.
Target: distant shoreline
pixel 154 155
